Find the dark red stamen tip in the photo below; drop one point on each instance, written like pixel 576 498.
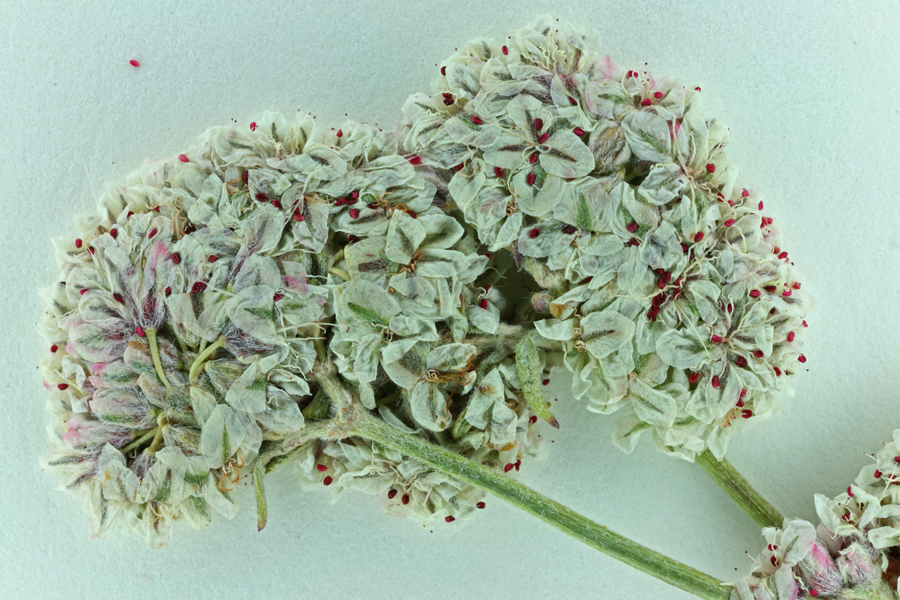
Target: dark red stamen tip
pixel 632 227
pixel 183 157
pixel 483 303
pixel 746 414
pixel 716 339
pixel 449 519
pixel 213 258
pixel 134 63
pixel 297 216
pixel 499 172
pixel 543 138
pixel 391 494
pixel 415 160
pixel 54 348
pixel 801 358
pixel 578 131
pixel 532 419
pixel 405 499
pixel 62 386
pixel 340 133
pixel 754 293
pixel 140 331
pixel 444 71
pixel 777 371
pixel 321 468
pixel 327 480
pixel 354 213
pixel 529 179
pixel 479 505
pixel 198 287
pixel 176 258
pixel 509 467
pixel 534 233
pixel 729 223
pixel 114 233
pixel 278 297
pixel 253 126
pixel 715 381
pixel 78 243
pixel 645 102
pixel 533 158
pixel 168 292
pixel 569 229
pixel 657 94
pixel 504 50
pixel 758 353
pixel 477 120
pixel 698 236
pixel 693 377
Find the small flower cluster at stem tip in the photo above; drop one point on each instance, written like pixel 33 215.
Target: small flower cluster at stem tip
pixel 854 552
pixel 232 308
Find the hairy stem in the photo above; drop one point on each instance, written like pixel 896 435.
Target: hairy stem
pixel 549 511
pixel 727 477
pixel 201 358
pixel 136 443
pixel 154 352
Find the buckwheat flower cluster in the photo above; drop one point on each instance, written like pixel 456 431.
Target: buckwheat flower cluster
pixel 190 315
pixel 662 283
pixel 853 553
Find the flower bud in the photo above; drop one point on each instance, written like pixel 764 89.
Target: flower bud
pixel 855 566
pixel 819 571
pixel 541 301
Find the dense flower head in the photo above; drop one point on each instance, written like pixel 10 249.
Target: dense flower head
pixel 190 313
pixel 853 551
pixel 665 283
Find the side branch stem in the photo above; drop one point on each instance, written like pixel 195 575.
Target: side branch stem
pixel 157 364
pixel 750 501
pixel 549 511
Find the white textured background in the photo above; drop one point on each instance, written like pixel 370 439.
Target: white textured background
pixel 810 91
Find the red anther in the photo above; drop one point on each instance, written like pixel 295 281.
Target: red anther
pixel 731 203
pixel 483 303
pixel 444 71
pixel 897 459
pixel 729 223
pixel 252 125
pixel 213 258
pixel 529 179
pixel 533 158
pixel 391 494
pixel 353 196
pixel 657 94
pixel 246 174
pixel 783 255
pixel 488 286
pixel 479 505
pixel 740 361
pixel 518 464
pixel 743 393
pixel 667 277
pixel 449 519
pixel 801 358
pixel 532 419
pixel 543 138
pixel 198 287
pixel 813 592
pixel 538 124
pixel 849 493
pixel 715 381
pixel 652 316
pixel 190 228
pixel 777 371
pixel 509 467
pixel 877 473
pixel 118 297
pixel 740 403
pixel 573 101
pixel 545 382
pixel 744 194
pixel 54 348
pixel 372 205
pixel 415 160
pixel 262 197
pixel 730 308
pixel 805 324
pixel 716 339
pixel 412 213
pixel 114 233
pixel 83 292
pixel 746 414
pixel 176 258
pixel 629 74
pixel 134 63
pixel 769 547
pixel 710 168
pixel 78 243
pixel 298 216
pixel 500 173
pixel 534 233
pixel 352 239
pixel 790 336
pixel 477 120
pixel 769 288
pixel 321 468
pixel 405 499
pixel 684 247
pixel 796 285
pixel 327 480
pixel 340 133
pixel 504 50
pixel 140 331
pixel 91 249
pixel 632 227
pixel 62 386
pixel 754 293
pixel 354 213
pixel 634 242
pixel 698 236
pixel 645 102
pixel 183 158
pixel 152 233
pixel 278 297
pixel 697 88
pixel 448 101
pixel 168 292
pixel 693 377
pixel 276 204
pixel 786 293
pixel 578 131
pixel 774 561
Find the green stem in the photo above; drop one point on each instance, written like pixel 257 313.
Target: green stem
pixel 549 511
pixel 139 441
pixel 201 358
pixel 154 352
pixel 727 477
pixel 326 375
pixel 340 273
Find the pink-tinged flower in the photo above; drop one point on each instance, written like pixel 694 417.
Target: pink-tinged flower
pixel 86 434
